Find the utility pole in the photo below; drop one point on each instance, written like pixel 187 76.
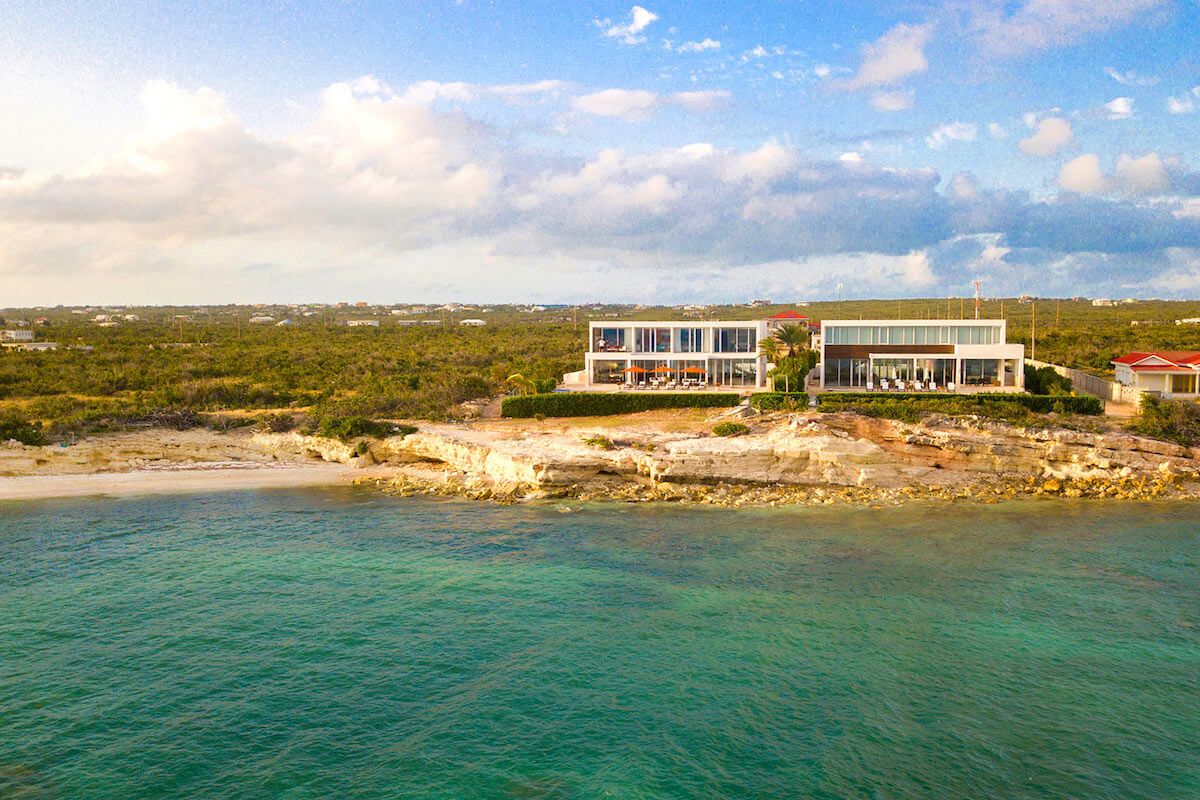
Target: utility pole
pixel 1033 331
pixel 977 283
pixel 1057 312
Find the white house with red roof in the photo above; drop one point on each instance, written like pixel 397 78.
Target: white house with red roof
pixel 1169 372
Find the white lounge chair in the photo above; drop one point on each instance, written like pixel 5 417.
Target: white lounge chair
pixel 870 386
pixel 918 386
pixel 933 386
pixel 885 385
pixel 900 386
pixel 949 387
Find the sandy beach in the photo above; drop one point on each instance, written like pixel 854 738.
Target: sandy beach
pixel 205 478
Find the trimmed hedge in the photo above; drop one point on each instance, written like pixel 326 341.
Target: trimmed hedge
pixel 1042 404
pixel 599 404
pixel 773 401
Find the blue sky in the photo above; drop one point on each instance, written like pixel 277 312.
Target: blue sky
pixel 151 152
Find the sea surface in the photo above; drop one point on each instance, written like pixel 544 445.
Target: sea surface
pixel 342 644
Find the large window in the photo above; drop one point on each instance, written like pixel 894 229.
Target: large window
pixel 652 340
pixel 609 340
pixel 846 372
pixel 608 371
pixel 981 371
pixel 913 334
pixel 691 340
pixel 734 372
pixel 736 340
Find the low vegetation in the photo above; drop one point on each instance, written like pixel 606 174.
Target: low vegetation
pixel 779 401
pixel 1044 380
pixel 1171 420
pixel 599 442
pixel 588 404
pixel 730 429
pixel 1005 405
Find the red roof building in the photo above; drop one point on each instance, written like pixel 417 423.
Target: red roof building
pixel 1170 372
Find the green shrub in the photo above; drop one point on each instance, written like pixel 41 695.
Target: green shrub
pixel 346 428
pixel 730 429
pixel 776 401
pixel 1171 420
pixel 1042 404
pixel 23 430
pixel 590 404
pixel 1044 380
pixel 404 430
pixel 362 448
pixel 599 442
pixel 278 423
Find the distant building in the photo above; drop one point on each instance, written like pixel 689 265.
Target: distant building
pixel 132 318
pixel 1167 372
pixel 263 320
pixel 474 323
pixel 1188 321
pixel 406 322
pixel 431 322
pixel 30 346
pixel 284 323
pixel 361 304
pixel 16 335
pixel 362 323
pixel 760 303
pixel 41 321
pixel 1103 302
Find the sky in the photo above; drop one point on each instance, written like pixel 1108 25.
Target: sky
pixel 573 152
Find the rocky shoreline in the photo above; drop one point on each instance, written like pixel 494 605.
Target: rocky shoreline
pixel 786 459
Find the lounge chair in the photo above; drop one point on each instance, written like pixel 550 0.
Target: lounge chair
pixel 950 387
pixel 870 386
pixel 900 386
pixel 933 386
pixel 885 385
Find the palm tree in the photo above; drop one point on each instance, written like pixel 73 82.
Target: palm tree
pixel 793 337
pixel 519 384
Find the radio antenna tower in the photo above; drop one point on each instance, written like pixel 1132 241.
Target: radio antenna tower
pixel 977 284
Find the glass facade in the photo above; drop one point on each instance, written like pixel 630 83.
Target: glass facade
pixel 912 334
pixel 735 340
pixel 732 372
pixel 652 340
pixel 609 340
pixel 846 372
pixel 608 371
pixel 691 340
pixel 981 371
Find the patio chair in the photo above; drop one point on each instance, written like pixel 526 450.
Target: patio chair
pixel 870 386
pixel 933 386
pixel 703 385
pixel 885 385
pixel 900 386
pixel 950 387
pixel 641 384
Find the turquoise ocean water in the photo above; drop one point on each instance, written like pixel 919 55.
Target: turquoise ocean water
pixel 340 644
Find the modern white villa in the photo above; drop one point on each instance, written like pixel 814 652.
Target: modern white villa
pixel 1170 373
pixel 919 354
pixel 673 355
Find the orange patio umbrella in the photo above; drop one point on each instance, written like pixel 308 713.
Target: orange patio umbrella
pixel 694 370
pixel 662 368
pixel 633 369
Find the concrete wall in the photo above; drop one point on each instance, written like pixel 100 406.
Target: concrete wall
pixel 1089 384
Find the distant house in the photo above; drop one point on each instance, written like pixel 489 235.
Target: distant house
pixel 474 323
pixel 1167 372
pixel 16 335
pixel 284 323
pixel 788 317
pixel 431 322
pixel 41 321
pixel 30 346
pixel 1103 302
pixel 362 323
pixel 262 320
pixel 406 322
pixel 109 324
pixel 132 318
pixel 1188 321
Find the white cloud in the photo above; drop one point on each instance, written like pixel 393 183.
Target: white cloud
pixel 1051 135
pixel 822 70
pixel 892 101
pixel 1083 175
pixel 695 47
pixel 630 33
pixel 997 130
pixel 1033 25
pixel 1145 175
pixel 892 58
pixel 1185 103
pixel 637 105
pixel 429 92
pixel 942 135
pixel 1119 108
pixel 1129 78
